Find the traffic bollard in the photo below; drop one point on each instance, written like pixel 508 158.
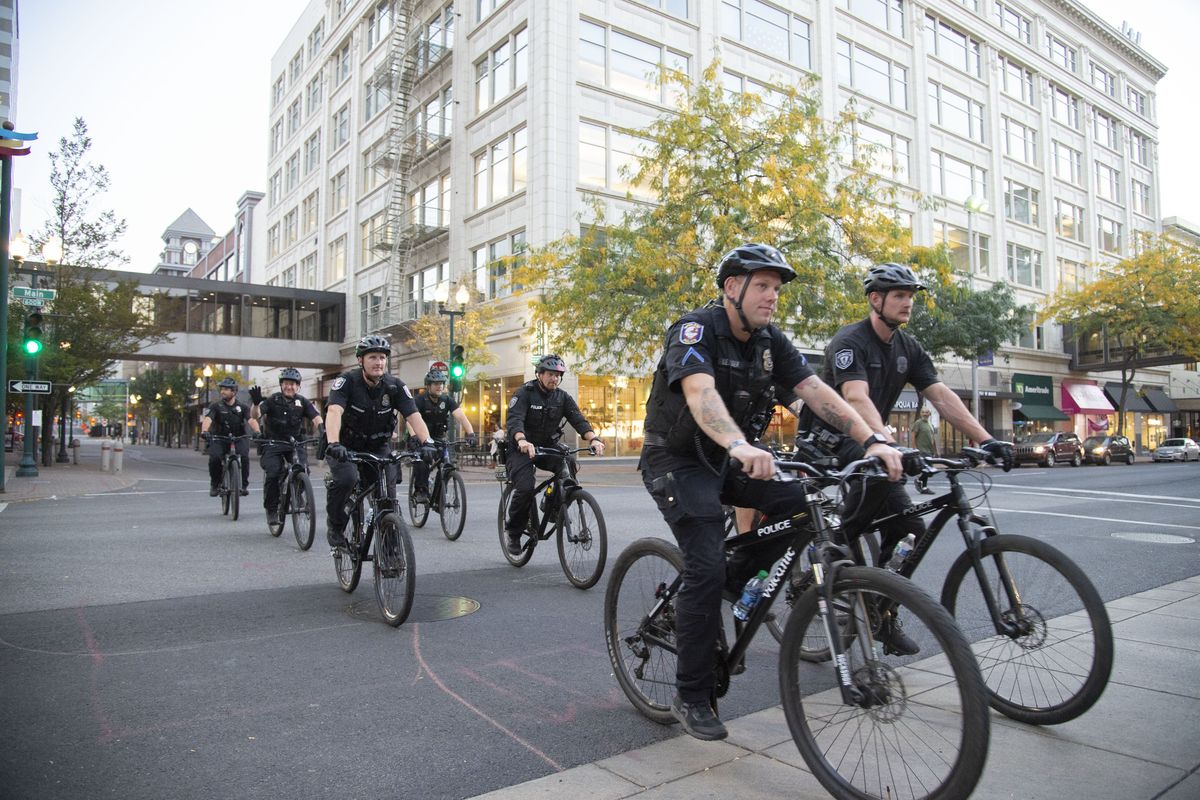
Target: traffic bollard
pixel 118 456
pixel 105 454
pixel 74 451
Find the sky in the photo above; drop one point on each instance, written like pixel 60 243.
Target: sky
pixel 175 94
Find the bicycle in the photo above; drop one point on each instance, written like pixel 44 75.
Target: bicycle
pixel 567 511
pixel 230 488
pixel 1043 662
pixel 447 494
pixel 295 495
pixel 375 518
pixel 860 739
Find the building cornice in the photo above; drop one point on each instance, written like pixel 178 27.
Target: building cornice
pixel 1106 33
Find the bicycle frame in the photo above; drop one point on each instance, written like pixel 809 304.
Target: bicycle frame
pixel 229 454
pixel 564 486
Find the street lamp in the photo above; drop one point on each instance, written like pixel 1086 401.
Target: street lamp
pixel 18 248
pixel 52 250
pixel 974 205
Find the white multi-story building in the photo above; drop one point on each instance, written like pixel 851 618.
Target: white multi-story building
pixel 508 114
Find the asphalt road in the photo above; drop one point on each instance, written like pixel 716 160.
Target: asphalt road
pixel 150 647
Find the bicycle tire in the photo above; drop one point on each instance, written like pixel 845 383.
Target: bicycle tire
pixel 347 560
pixel 235 489
pixel 527 551
pixel 453 503
pixel 1048 675
pixel 284 508
pixel 395 569
pixel 645 667
pixel 303 510
pixel 224 490
pixel 951 721
pixel 417 512
pixel 582 545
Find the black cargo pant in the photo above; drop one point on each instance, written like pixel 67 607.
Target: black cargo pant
pixel 342 478
pixel 690 498
pixel 521 473
pixel 275 462
pixel 866 501
pixel 216 453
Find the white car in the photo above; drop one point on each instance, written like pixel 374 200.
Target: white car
pixel 1177 450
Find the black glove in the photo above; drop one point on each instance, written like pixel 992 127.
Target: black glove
pixel 255 394
pixel 206 436
pixel 999 451
pixel 472 440
pixel 337 451
pixel 429 452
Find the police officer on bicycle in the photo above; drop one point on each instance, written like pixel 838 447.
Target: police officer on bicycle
pixel 869 362
pixel 535 419
pixel 436 407
pixel 283 415
pixel 361 416
pixel 227 417
pixel 719 371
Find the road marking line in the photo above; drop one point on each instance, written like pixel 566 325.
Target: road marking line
pixel 1106 499
pixel 3 506
pixel 1099 491
pixel 1099 519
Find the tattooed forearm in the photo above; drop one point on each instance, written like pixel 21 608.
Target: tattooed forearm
pixel 835 415
pixel 714 417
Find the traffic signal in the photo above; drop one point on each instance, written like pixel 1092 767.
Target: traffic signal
pixel 33 333
pixel 457 369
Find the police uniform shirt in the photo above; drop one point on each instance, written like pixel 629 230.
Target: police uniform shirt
pixel 539 414
pixel 436 413
pixel 227 419
pixel 283 417
pixel 856 353
pixel 369 412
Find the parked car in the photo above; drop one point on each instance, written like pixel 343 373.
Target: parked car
pixel 1047 449
pixel 1177 450
pixel 1107 449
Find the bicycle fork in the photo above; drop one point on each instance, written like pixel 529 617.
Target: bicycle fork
pixel 974 539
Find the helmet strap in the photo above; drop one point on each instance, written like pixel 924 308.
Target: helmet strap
pixel 891 323
pixel 747 328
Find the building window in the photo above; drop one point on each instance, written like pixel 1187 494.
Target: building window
pixel 1012 21
pixel 276 137
pixel 1108 234
pixel 1139 148
pixel 288 278
pixel 1024 266
pixel 275 190
pixel 871 74
pixel 377 94
pixel 1137 100
pixel 1072 276
pixel 374 244
pixel 312 153
pixel 1061 53
pixel 955 179
pixel 952 46
pixel 369 306
pixel 277 92
pixel 1020 141
pixel 500 169
pixel 435 119
pixel 503 70
pixel 307 278
pixel 485 7
pixel 296 66
pixel 1139 198
pixel 1108 182
pixel 312 96
pixel 493 263
pixel 273 241
pixel 341 127
pixel 379 23
pixel 291 170
pixel 1103 80
pixel 769 30
pixel 308 213
pixel 885 14
pixel 1064 107
pixel 678 8
pixel 291 229
pixel 1016 81
pixel 956 112
pixel 374 165
pixel 626 64
pixel 315 39
pixel 1034 338
pixel 608 158
pixel 293 117
pixel 886 153
pixel 1068 220
pixel 1020 202
pixel 436 38
pixel 339 192
pixel 955 239
pixel 1068 164
pixel 337 259
pixel 429 206
pixel 341 63
pixel 1105 130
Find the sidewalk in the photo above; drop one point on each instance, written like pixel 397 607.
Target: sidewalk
pixel 1141 741
pixel 65 480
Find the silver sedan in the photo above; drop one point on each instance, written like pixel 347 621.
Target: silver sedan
pixel 1177 450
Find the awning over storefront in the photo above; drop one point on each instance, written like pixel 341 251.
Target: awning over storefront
pixel 1157 398
pixel 1084 398
pixel 1133 400
pixel 1040 413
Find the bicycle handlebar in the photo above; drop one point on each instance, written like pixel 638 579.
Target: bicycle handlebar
pixel 555 451
pixel 290 442
pixel 223 437
pixel 394 457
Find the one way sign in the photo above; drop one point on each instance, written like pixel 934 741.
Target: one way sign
pixel 32 387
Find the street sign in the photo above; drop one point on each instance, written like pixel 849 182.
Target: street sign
pixel 987 359
pixel 33 297
pixel 32 387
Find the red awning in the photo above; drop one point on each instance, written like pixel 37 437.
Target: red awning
pixel 1084 398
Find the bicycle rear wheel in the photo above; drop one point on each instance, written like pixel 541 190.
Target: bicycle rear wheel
pixel 303 510
pixel 234 480
pixel 454 504
pixel 395 569
pixel 641 647
pixel 529 543
pixel 417 512
pixel 582 539
pixel 911 734
pixel 1057 663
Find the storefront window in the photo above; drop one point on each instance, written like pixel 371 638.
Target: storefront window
pixel 616 408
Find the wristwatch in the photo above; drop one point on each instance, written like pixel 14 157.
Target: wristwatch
pixel 733 444
pixel 874 438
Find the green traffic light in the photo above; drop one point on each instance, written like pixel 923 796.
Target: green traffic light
pixel 457 371
pixel 33 347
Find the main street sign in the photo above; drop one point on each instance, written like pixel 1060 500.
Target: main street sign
pixel 32 387
pixel 33 297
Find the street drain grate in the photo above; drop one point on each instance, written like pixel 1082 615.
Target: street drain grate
pixel 1154 538
pixel 426 608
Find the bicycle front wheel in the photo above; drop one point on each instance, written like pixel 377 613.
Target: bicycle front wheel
pixel 908 734
pixel 1055 661
pixel 417 512
pixel 303 510
pixel 225 491
pixel 395 569
pixel 454 504
pixel 528 543
pixel 234 474
pixel 639 628
pixel 347 559
pixel 582 540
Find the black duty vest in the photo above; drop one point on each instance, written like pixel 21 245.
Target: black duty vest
pixel 370 415
pixel 283 418
pixel 228 419
pixel 543 414
pixel 436 414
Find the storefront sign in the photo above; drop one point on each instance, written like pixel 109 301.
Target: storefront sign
pixel 1034 389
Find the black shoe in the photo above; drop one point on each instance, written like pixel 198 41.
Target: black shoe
pixel 212 491
pixel 925 490
pixel 334 536
pixel 895 641
pixel 245 491
pixel 273 518
pixel 698 719
pixel 513 545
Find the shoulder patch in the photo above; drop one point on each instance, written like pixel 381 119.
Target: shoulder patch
pixel 690 333
pixel 338 383
pixel 843 358
pixel 407 391
pixel 512 402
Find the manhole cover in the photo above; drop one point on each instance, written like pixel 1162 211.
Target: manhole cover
pixel 1154 538
pixel 426 608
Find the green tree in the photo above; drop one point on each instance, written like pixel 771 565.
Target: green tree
pixel 431 333
pixel 720 170
pixel 1148 304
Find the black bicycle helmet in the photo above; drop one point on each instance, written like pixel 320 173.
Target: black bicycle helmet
pixel 552 363
pixel 749 258
pixel 372 344
pixel 290 374
pixel 885 277
pixel 227 383
pixel 436 376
